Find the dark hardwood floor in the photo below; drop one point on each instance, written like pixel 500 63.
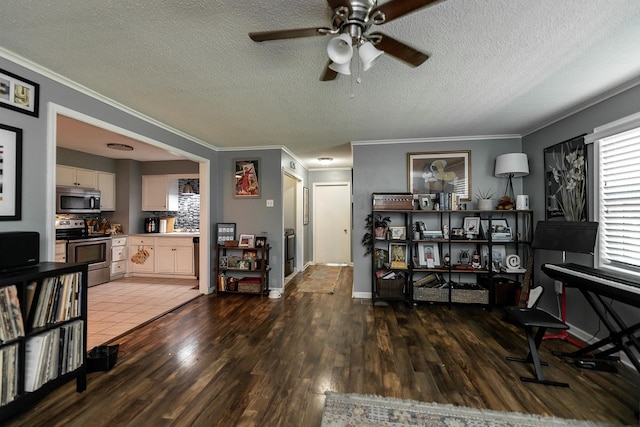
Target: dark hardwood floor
pixel 241 360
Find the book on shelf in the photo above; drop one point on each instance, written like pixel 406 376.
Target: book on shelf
pixel 11 322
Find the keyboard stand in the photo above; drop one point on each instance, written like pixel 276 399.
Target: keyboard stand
pixel 621 336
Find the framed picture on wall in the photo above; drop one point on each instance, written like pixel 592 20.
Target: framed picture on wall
pixel 19 94
pixel 10 173
pixel 246 180
pixel 440 172
pixel 565 168
pixel 305 206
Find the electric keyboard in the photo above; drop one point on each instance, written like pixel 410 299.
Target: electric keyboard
pixel 595 284
pixel 605 284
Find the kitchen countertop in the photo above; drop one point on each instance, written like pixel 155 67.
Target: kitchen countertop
pixel 174 234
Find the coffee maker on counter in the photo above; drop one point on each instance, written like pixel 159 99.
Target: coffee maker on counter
pixel 152 224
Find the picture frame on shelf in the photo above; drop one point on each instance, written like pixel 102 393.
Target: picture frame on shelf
pixel 247 179
pixel 225 231
pixel 428 255
pixel 261 241
pixel 498 257
pixel 10 173
pixel 398 253
pixel 497 225
pixel 246 240
pixel 19 94
pixel 223 262
pixel 442 171
pixel 398 232
pixel 471 226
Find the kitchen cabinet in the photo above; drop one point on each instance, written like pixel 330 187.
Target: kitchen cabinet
pixel 107 187
pixel 61 251
pixel 118 257
pixel 174 255
pixel 159 193
pixel 141 254
pixel 76 177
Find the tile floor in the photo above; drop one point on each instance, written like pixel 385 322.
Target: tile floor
pixel 119 306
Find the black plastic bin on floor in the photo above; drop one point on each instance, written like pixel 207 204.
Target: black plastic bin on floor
pixel 102 358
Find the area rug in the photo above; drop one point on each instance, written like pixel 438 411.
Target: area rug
pixel 350 410
pixel 320 279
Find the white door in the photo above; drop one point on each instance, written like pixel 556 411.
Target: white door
pixel 332 223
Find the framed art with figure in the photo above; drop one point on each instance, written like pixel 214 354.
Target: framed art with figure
pixel 437 172
pixel 246 179
pixel 398 253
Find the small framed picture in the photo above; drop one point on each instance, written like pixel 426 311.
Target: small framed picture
pixel 499 225
pixel 246 241
pixel 471 225
pixel 428 255
pixel 225 231
pixel 223 262
pixel 398 253
pixel 19 94
pixel 398 233
pixel 261 242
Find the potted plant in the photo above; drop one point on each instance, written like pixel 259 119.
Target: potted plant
pixel 379 225
pixel 484 199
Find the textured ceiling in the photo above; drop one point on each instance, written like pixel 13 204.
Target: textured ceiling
pixel 495 67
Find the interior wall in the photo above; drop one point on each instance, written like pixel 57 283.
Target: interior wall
pixel 579 314
pixel 382 168
pixel 38 209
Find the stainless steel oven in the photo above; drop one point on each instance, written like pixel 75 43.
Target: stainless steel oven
pixel 97 252
pixel 94 249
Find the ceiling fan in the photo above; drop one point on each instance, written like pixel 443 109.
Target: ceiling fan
pixel 351 22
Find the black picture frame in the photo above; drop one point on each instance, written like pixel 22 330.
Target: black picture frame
pixel 19 94
pixel 10 173
pixel 261 241
pixel 225 231
pixel 565 173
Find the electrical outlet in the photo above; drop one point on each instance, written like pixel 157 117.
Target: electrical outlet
pixel 558 286
pixel 270 203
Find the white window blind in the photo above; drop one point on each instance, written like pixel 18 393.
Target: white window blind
pixel 619 202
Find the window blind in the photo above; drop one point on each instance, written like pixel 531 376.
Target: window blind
pixel 619 201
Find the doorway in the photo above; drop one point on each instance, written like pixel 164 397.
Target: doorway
pixel 332 223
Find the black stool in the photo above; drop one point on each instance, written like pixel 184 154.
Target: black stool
pixel 528 319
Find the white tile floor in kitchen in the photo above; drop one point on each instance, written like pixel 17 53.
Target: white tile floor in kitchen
pixel 119 306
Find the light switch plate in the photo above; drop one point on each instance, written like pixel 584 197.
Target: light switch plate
pixel 270 203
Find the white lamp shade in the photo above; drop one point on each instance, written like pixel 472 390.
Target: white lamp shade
pixel 368 55
pixel 512 164
pixel 341 68
pixel 339 49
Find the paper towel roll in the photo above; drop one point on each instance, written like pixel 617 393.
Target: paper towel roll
pixel 163 225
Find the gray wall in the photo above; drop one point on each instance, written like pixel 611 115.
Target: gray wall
pixel 382 168
pixel 36 164
pixel 579 313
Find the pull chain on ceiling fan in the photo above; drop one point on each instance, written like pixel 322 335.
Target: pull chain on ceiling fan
pixel 351 22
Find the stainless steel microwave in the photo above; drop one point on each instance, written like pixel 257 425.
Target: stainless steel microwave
pixel 75 200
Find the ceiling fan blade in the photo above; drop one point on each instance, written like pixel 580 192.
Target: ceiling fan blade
pixel 328 74
pixel 262 36
pixel 397 8
pixel 398 49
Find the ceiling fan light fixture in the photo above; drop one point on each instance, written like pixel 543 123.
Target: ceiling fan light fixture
pixel 341 68
pixel 368 55
pixel 121 147
pixel 340 50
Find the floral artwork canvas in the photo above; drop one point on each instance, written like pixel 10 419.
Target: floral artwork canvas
pixel 566 176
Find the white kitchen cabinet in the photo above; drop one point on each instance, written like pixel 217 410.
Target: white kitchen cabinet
pixel 118 257
pixel 141 254
pixel 174 255
pixel 159 193
pixel 76 177
pixel 107 187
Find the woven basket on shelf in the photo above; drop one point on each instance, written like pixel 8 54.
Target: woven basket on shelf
pixel 390 288
pixel 430 294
